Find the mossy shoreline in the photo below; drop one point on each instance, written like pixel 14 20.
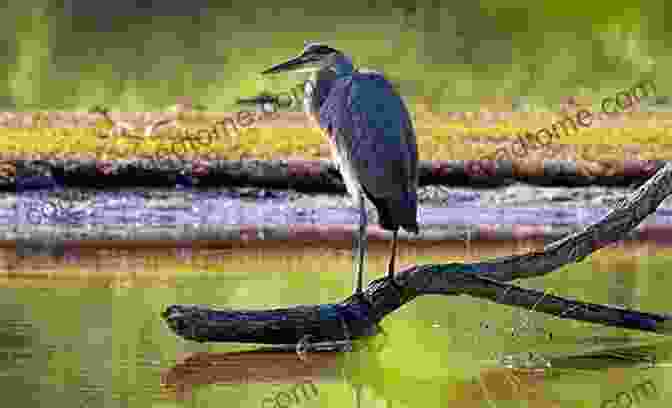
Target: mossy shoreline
pixel 455 136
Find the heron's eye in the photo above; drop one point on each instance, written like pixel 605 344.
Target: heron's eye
pixel 321 50
pixel 315 57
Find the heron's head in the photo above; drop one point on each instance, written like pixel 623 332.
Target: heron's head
pixel 315 57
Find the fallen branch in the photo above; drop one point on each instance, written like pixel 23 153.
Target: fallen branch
pixel 358 316
pixel 321 175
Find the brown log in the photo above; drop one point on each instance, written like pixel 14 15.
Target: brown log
pixel 306 175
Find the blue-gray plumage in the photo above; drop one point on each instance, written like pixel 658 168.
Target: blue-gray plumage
pixel 371 135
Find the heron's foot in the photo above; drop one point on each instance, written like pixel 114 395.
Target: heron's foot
pixel 302 347
pixel 375 340
pixel 394 283
pixel 305 346
pixel 362 298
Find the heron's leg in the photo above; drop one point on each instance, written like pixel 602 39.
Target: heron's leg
pixel 390 266
pixel 361 245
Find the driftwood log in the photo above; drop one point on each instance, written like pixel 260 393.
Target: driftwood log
pixel 358 316
pixel 311 175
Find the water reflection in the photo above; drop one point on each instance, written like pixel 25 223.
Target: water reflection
pixel 621 289
pixel 200 369
pixel 83 328
pixel 370 381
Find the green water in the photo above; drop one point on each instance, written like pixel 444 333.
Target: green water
pixel 79 342
pixel 455 54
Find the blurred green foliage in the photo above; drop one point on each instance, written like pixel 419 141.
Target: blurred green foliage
pixel 456 54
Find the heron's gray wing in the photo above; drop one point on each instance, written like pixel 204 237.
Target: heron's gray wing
pixel 372 130
pixel 411 141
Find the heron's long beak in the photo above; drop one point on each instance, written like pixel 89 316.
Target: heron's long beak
pixel 293 64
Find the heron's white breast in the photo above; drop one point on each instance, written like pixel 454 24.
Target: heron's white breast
pixel 351 183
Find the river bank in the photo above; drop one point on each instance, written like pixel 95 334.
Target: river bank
pixel 287 135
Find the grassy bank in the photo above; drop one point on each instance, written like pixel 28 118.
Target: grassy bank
pixel 461 136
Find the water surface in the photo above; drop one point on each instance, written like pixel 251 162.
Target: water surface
pixel 84 329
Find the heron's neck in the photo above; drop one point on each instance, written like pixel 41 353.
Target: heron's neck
pixel 343 66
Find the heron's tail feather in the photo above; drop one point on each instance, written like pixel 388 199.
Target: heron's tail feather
pixel 397 212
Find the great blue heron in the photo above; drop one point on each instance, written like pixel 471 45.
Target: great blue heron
pixel 371 136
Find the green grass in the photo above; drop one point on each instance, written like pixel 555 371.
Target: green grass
pixel 57 60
